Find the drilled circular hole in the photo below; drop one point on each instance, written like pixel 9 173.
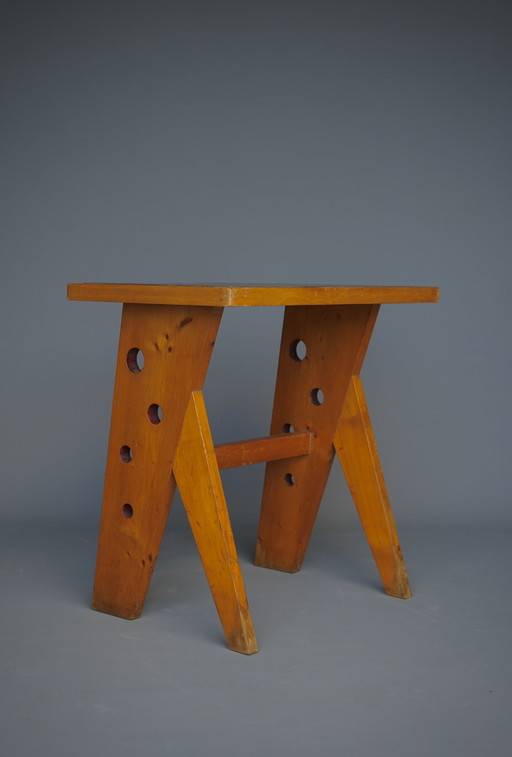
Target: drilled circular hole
pixel 289 479
pixel 135 360
pixel 127 511
pixel 125 453
pixel 298 350
pixel 317 396
pixel 155 413
pixel 288 428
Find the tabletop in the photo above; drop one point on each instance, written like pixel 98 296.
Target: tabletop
pixel 245 295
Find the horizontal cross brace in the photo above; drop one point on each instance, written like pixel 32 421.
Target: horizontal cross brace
pixel 251 451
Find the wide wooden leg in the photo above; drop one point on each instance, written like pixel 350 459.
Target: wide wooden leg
pixel 164 351
pixel 309 396
pixel 198 478
pixel 357 452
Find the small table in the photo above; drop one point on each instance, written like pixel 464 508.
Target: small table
pixel 160 437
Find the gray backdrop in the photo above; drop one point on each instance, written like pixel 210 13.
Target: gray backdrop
pixel 350 142
pixel 323 142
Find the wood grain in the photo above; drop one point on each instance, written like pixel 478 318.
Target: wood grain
pixel 335 338
pixel 355 446
pixel 160 435
pixel 198 478
pixel 243 295
pixel 176 342
pixel 252 451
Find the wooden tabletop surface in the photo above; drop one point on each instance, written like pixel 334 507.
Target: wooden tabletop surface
pixel 240 295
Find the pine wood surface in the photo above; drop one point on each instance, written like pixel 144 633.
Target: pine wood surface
pixel 252 451
pixel 198 478
pixel 177 342
pixel 335 339
pixel 356 449
pixel 240 295
pixel 160 436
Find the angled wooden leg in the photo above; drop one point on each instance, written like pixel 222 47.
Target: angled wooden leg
pixel 198 478
pixel 164 351
pixel 357 452
pixel 310 392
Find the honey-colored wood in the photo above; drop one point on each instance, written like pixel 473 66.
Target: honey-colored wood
pixel 242 295
pixel 336 338
pixel 175 326
pixel 356 449
pixel 252 451
pixel 198 478
pixel 177 342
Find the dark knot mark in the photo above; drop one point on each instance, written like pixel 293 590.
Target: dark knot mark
pixel 185 322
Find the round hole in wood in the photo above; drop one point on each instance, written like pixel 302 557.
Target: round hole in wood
pixel 127 511
pixel 135 360
pixel 288 428
pixel 316 396
pixel 125 453
pixel 289 479
pixel 298 350
pixel 155 413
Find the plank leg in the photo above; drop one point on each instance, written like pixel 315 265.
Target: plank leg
pixel 356 449
pixel 321 348
pixel 198 478
pixel 163 355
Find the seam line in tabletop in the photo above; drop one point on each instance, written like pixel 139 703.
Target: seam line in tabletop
pixel 216 295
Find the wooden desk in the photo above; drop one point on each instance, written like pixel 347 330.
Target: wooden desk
pixel 160 437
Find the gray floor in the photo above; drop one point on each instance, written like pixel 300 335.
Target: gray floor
pixel 343 669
